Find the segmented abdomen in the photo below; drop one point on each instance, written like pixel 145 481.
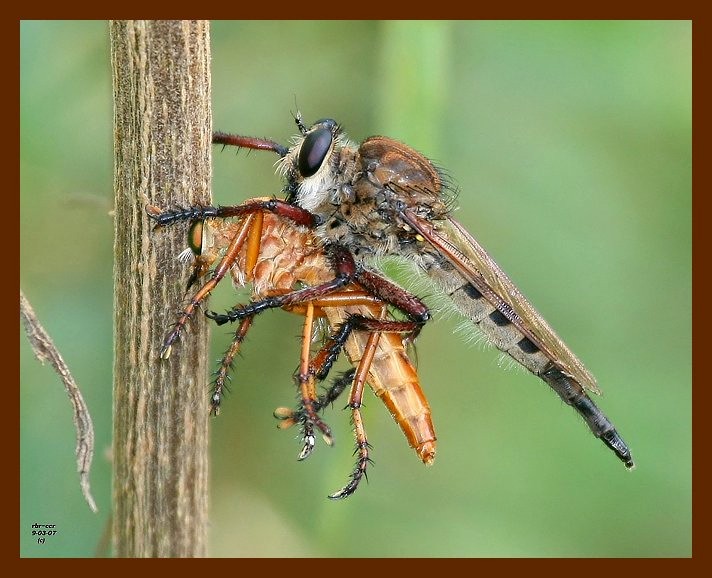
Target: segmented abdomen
pixel 494 325
pixel 394 379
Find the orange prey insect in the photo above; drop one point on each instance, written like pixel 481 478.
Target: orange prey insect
pixel 274 255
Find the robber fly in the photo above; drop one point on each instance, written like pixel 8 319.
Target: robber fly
pixel 274 255
pixel 381 197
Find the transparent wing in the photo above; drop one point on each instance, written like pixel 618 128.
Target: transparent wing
pixel 477 267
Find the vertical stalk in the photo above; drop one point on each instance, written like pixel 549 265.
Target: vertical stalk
pixel 162 134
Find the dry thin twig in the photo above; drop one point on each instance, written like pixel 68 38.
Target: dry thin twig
pixel 45 350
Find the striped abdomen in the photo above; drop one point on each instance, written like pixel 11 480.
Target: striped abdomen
pixel 498 328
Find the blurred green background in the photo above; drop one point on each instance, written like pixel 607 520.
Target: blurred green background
pixel 570 143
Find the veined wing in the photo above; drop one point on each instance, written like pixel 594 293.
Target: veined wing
pixel 476 266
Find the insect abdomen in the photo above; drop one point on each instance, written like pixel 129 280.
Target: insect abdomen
pixel 393 378
pixel 501 332
pixel 398 387
pixel 495 326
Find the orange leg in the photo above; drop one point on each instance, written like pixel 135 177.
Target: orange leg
pixel 355 400
pixel 252 251
pixel 323 361
pixel 307 389
pixel 223 267
pixel 328 354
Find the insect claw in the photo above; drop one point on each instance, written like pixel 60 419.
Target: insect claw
pixel 344 492
pixel 166 351
pixel 360 471
pixel 215 404
pixel 309 442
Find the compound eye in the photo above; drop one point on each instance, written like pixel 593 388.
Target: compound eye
pixel 314 149
pixel 195 237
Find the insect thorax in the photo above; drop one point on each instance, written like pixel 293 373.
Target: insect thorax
pixel 360 193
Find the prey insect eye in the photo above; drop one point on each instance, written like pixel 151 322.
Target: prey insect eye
pixel 314 149
pixel 195 237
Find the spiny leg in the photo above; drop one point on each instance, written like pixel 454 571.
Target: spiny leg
pixel 329 353
pixel 252 251
pixel 222 373
pixel 338 385
pixel 392 294
pixel 321 364
pixel 289 417
pixel 319 367
pixel 221 270
pixel 346 272
pixel 324 360
pixel 307 390
pixel 250 232
pixel 344 266
pixel 353 296
pixel 279 207
pixel 355 400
